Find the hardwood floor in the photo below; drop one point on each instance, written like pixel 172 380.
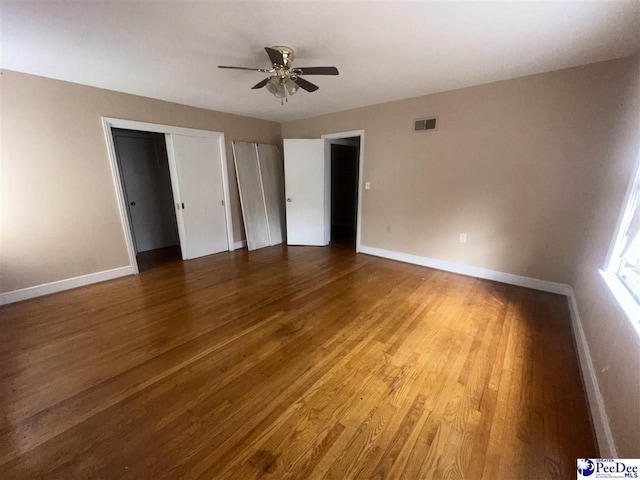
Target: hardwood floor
pixel 154 258
pixel 291 363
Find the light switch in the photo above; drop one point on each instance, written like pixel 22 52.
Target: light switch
pixel 367 185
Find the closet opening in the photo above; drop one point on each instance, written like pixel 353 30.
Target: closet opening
pixel 148 194
pixel 345 155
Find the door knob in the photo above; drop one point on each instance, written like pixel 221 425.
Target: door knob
pixel 133 203
pixel 289 200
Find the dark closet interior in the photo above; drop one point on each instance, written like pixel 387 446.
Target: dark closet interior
pixel 345 156
pixel 146 180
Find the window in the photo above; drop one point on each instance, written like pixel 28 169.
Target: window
pixel 629 260
pixel 622 273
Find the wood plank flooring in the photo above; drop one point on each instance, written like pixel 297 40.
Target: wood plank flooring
pixel 303 363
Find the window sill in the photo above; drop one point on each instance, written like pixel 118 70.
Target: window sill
pixel 624 299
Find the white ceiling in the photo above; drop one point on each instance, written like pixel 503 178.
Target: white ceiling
pixel 384 50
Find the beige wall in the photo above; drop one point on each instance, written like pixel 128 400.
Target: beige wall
pixel 59 214
pixel 614 345
pixel 505 166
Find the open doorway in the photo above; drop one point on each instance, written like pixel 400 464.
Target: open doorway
pixel 319 207
pixel 146 181
pixel 345 158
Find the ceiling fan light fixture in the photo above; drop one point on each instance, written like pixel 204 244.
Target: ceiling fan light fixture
pixel 291 86
pixel 276 88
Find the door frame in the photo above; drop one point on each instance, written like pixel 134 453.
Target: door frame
pixel 108 123
pixel 354 133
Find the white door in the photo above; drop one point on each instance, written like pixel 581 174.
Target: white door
pixel 272 173
pixel 200 197
pixel 252 199
pixel 306 169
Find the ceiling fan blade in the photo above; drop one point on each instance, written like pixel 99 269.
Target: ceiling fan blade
pixel 246 68
pixel 308 86
pixel 275 56
pixel 317 71
pixel 261 83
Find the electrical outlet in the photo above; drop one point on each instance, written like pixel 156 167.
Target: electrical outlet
pixel 463 238
pixel 388 228
pixel 367 185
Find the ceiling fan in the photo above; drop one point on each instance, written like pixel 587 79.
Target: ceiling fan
pixel 284 80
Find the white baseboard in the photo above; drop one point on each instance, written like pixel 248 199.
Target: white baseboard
pixel 69 283
pixel 470 271
pixel 596 403
pixel 60 285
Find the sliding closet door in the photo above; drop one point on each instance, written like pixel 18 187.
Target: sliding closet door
pixel 200 199
pixel 272 173
pixel 251 195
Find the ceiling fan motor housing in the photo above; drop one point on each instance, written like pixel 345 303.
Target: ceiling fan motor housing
pixel 287 55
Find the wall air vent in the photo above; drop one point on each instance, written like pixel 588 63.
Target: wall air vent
pixel 424 124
